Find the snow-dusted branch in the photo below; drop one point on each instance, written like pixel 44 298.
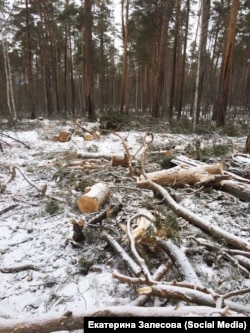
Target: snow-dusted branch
pixel 74 320
pixel 200 222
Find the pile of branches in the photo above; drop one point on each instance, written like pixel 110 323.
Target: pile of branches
pixel 186 295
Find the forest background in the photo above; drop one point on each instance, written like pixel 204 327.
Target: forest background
pixel 185 60
pixel 177 68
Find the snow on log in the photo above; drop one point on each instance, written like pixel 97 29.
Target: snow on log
pixel 233 184
pixel 181 175
pixel 94 198
pixel 200 222
pixel 75 320
pixel 180 261
pixel 239 190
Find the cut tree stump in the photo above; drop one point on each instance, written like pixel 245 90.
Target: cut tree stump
pixel 181 175
pixel 247 145
pixel 93 200
pixel 78 230
pixel 120 160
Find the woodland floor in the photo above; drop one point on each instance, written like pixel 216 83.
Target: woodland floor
pixel 36 226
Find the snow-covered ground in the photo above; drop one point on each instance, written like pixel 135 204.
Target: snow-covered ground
pixel 32 233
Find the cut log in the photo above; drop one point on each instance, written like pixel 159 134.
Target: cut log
pixel 75 320
pixel 237 189
pixel 87 155
pixel 188 162
pixel 120 160
pixel 194 296
pixel 235 185
pixel 88 136
pixel 91 136
pixel 181 175
pixel 62 137
pixel 94 198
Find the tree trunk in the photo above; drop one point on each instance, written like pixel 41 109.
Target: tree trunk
pixel 183 64
pixel 31 100
pixel 247 145
pixel 173 81
pixel 179 176
pixel 125 56
pixel 9 85
pixel 201 63
pixel 89 89
pixel 220 107
pixel 159 81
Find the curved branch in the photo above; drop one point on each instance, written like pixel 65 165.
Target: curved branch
pixel 199 222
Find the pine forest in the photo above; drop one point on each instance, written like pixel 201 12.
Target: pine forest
pixel 162 59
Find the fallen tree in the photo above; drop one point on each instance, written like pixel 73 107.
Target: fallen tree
pixel 75 320
pixel 181 175
pixel 198 221
pixel 229 182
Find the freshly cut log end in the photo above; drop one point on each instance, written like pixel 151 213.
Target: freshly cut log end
pixel 62 137
pixel 94 199
pixel 89 136
pixel 87 204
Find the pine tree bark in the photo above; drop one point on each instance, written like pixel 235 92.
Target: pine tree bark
pixel 220 107
pixel 124 88
pixel 31 101
pixel 159 83
pixel 201 67
pixel 89 90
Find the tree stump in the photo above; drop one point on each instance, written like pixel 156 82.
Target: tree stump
pixel 78 230
pixel 120 160
pixel 246 149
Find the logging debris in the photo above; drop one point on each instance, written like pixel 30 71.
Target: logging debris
pixel 201 267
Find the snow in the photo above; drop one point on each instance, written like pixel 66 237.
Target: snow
pixel 30 235
pixel 27 237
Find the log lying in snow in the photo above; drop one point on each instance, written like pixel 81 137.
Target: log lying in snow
pixel 180 261
pixel 181 175
pixel 239 190
pixel 200 222
pixel 75 320
pixel 234 184
pixel 116 159
pixel 93 200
